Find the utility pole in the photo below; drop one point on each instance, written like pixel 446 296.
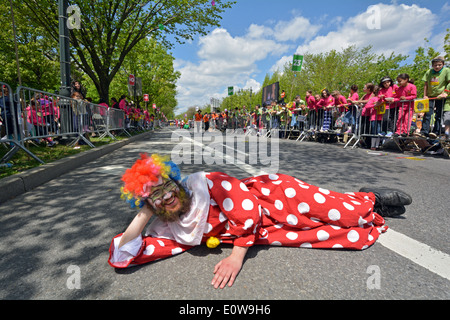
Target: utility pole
pixel 64 52
pixel 19 78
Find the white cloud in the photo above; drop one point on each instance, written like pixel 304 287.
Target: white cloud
pixel 401 28
pixel 252 84
pixel 224 61
pixel 299 27
pixel 256 31
pixel 279 65
pixel 227 60
pixel 445 7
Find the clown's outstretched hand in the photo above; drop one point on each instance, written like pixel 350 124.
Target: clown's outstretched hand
pixel 227 270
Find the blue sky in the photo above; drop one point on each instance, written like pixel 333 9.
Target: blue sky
pixel 258 36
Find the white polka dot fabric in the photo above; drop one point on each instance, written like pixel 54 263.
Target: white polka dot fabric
pixel 277 210
pixel 282 210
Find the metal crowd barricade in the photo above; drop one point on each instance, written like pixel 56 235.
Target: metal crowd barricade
pixel 116 121
pixel 30 115
pixel 50 115
pixel 397 124
pixel 308 126
pixel 353 125
pixel 378 125
pixel 295 123
pixel 12 128
pixel 136 124
pixel 99 121
pixel 403 120
pixel 322 125
pixel 270 124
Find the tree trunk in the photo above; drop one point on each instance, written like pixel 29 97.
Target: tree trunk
pixel 103 89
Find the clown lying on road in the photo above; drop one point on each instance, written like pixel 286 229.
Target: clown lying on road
pixel 216 208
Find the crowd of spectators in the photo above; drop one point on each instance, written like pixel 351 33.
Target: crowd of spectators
pixel 47 117
pixel 383 110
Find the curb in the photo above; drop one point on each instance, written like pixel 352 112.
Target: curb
pixel 13 186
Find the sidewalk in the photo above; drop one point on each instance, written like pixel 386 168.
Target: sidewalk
pixel 20 183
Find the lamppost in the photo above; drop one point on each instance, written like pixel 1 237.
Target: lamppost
pixel 64 52
pixel 15 44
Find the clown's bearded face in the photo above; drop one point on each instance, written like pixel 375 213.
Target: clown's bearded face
pixel 169 200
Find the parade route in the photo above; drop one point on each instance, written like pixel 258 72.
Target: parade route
pixel 55 238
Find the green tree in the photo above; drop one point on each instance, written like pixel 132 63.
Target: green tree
pixel 335 70
pixel 110 30
pixel 390 66
pixel 152 62
pixel 38 59
pixel 332 70
pixel 239 99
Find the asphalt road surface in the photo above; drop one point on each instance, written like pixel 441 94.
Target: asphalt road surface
pixel 54 239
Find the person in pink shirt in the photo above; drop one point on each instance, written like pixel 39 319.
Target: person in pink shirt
pixel 386 95
pixel 405 91
pixel 103 111
pixel 311 103
pixel 36 117
pixel 375 119
pixel 364 122
pixel 123 103
pixel 310 100
pixel 353 95
pixel 350 116
pixel 324 105
pixel 56 111
pixel 326 100
pixel 147 119
pixel 340 101
pixel 341 105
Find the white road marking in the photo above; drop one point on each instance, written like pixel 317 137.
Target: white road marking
pixel 112 168
pixel 434 260
pixel 229 159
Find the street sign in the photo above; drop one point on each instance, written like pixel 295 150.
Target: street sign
pixel 230 91
pixel 146 97
pixel 297 63
pixel 134 86
pixel 131 80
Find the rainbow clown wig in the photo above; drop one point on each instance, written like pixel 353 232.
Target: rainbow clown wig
pixel 145 172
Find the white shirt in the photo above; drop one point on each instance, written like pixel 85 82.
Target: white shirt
pixel 188 230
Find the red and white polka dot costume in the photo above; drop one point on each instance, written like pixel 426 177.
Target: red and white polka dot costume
pixel 274 210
